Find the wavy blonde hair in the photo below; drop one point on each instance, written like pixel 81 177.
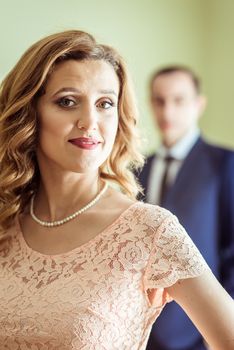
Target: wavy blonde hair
pixel 19 172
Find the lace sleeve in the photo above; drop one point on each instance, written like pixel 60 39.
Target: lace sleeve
pixel 174 256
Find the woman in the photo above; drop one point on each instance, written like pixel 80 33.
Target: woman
pixel 84 266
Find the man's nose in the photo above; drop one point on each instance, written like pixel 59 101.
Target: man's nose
pixel 168 111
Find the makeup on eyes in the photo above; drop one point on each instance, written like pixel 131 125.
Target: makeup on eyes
pixel 69 102
pixel 61 101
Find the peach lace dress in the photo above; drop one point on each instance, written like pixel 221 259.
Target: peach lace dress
pixel 95 296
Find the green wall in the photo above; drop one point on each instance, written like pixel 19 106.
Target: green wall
pixel 148 33
pixel 219 71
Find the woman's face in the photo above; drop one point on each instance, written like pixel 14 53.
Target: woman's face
pixel 78 116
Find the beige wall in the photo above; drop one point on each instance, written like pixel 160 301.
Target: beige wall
pixel 148 33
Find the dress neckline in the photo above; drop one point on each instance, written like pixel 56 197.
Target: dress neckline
pixel 81 247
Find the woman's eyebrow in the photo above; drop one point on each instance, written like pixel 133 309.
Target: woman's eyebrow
pixel 72 89
pixel 112 92
pixel 67 89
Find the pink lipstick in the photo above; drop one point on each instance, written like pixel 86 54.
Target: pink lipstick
pixel 85 143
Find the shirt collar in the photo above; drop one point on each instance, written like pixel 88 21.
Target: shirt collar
pixel 181 149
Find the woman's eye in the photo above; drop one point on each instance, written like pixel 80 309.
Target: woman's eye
pixel 66 102
pixel 106 104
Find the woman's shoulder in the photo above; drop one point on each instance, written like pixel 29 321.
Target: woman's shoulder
pixel 138 213
pixel 152 213
pixel 159 222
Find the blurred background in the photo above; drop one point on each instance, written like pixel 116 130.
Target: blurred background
pixel 148 33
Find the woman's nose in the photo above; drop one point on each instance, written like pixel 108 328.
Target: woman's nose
pixel 87 119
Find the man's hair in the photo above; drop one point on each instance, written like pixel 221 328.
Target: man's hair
pixel 177 69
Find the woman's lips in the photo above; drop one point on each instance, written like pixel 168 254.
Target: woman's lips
pixel 85 143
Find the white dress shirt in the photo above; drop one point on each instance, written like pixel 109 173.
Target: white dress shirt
pixel 178 152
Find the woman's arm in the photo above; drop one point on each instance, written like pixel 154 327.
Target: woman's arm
pixel 210 308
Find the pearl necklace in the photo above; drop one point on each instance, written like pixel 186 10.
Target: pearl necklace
pixel 70 217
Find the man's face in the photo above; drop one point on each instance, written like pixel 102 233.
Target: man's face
pixel 176 105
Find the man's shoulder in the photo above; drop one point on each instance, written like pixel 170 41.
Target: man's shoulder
pixel 150 157
pixel 218 151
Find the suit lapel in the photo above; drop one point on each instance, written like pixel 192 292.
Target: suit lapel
pixel 186 172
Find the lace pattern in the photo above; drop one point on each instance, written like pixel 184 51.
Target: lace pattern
pixel 96 296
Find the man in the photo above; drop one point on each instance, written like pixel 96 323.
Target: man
pixel 194 180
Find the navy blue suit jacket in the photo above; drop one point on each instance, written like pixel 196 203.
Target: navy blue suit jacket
pixel 202 197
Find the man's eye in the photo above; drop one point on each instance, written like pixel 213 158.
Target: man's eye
pixel 66 102
pixel 105 104
pixel 158 102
